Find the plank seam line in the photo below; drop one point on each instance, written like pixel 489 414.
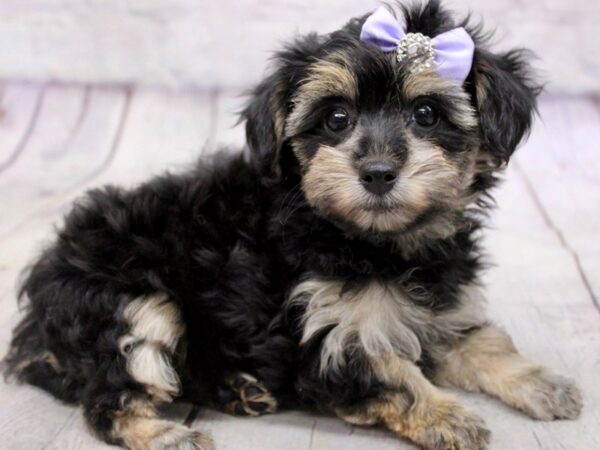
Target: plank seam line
pixel 54 438
pixel 596 101
pixel 563 241
pixel 83 109
pixel 113 147
pixel 537 439
pixel 28 131
pixel 103 166
pixel 312 434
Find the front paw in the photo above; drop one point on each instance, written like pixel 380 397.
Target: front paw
pixel 547 396
pixel 179 437
pixel 246 396
pixel 456 429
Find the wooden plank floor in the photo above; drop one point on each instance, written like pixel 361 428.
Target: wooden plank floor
pixel 57 141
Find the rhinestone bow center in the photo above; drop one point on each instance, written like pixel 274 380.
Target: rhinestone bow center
pixel 418 50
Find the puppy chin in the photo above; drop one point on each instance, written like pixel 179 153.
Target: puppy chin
pixel 376 217
pixel 391 220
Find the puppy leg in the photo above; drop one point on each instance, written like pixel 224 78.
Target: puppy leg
pixel 120 403
pixel 487 361
pixel 415 409
pixel 130 419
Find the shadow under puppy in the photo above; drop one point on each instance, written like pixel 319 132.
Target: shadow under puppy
pixel 332 265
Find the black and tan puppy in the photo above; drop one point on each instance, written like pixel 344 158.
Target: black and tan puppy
pixel 334 265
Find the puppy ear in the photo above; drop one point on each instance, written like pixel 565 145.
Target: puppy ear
pixel 270 103
pixel 504 94
pixel 265 121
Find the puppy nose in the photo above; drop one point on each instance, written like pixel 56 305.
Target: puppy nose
pixel 378 177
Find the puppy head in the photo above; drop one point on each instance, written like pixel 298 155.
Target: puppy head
pixel 381 149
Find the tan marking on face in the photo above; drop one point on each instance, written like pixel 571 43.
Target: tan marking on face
pixel 430 178
pixel 332 182
pixel 428 175
pixel 487 361
pixel 330 76
pixel 428 83
pixel 326 78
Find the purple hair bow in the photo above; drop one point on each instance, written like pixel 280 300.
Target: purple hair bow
pixel 449 53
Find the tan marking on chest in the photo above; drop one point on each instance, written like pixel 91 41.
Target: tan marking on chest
pixel 378 319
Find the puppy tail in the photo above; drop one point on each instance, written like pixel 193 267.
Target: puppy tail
pixel 28 361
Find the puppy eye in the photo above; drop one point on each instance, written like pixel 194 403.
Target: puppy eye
pixel 338 120
pixel 426 115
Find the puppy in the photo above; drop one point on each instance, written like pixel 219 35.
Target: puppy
pixel 333 265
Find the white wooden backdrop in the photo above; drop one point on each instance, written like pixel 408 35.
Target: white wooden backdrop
pixel 225 43
pixel 56 141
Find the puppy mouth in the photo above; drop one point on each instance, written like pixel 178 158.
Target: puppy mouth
pixel 381 205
